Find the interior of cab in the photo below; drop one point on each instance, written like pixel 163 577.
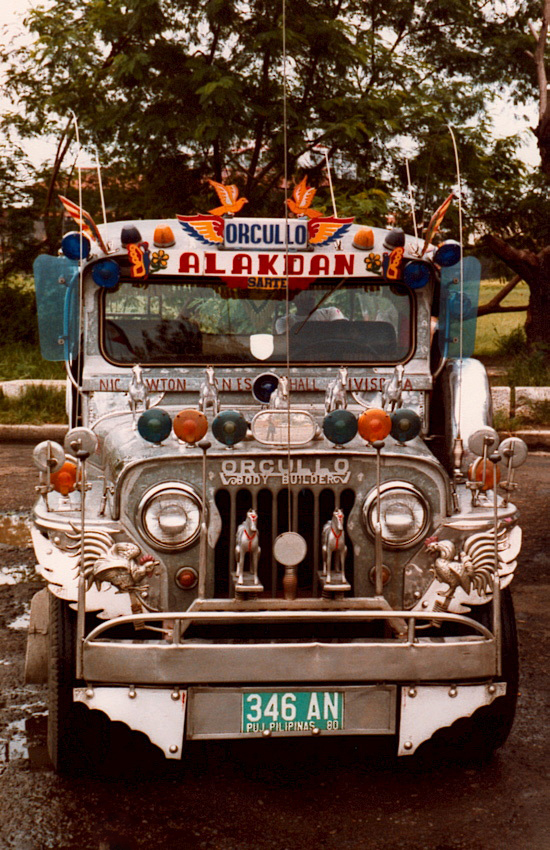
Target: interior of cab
pixel 180 322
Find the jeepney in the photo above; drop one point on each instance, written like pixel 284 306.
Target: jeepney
pixel 280 508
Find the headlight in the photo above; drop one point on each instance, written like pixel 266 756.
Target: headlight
pixel 169 515
pixel 404 514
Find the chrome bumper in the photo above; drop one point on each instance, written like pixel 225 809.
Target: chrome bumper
pixel 175 660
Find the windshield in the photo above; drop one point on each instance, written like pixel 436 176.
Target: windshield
pixel 206 321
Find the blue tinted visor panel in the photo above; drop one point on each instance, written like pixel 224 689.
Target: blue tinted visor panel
pixel 56 281
pixel 456 309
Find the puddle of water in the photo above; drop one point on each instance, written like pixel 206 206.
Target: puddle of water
pixel 24 619
pixel 26 739
pixel 14 530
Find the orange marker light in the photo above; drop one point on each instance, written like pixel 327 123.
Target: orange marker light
pixel 190 426
pixel 364 239
pixel 374 424
pixel 164 237
pixel 475 473
pixel 64 480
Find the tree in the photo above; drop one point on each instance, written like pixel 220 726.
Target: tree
pixel 189 89
pixel 176 91
pixel 531 261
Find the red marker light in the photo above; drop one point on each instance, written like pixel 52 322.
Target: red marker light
pixel 476 473
pixel 190 426
pixel 64 480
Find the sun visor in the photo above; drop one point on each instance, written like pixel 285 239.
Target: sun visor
pixel 454 307
pixel 56 282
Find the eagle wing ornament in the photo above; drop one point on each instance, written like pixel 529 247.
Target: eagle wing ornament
pixel 322 231
pixel 208 229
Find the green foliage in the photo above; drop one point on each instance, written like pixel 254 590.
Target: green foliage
pixel 23 362
pixel 38 405
pixel 513 344
pixel 18 323
pixel 529 369
pixel 173 92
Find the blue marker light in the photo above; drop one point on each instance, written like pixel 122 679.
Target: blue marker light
pixel 263 387
pixel 70 245
pixel 106 273
pixel 416 274
pixel 154 425
pixel 448 254
pixel 340 426
pixel 229 427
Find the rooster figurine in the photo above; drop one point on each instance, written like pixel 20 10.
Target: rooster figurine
pixel 301 200
pixel 228 196
pixel 474 569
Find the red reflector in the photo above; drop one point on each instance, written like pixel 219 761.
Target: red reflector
pixel 186 578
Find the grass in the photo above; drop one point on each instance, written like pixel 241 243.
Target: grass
pixel 495 326
pixel 37 406
pixel 19 362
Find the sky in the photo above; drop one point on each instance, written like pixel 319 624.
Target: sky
pixel 508 119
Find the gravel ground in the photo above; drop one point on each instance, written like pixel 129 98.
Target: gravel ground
pixel 273 794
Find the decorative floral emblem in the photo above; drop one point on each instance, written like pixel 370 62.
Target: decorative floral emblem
pixel 159 260
pixel 373 263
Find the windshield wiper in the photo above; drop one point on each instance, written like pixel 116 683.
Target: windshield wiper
pixel 321 302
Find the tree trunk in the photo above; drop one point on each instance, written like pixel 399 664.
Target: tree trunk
pixel 534 269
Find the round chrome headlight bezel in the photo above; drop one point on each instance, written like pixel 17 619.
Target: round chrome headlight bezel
pixel 164 513
pixel 413 515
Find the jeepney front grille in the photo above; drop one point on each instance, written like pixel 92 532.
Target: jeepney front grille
pixel 309 510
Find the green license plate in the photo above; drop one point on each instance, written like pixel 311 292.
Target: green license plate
pixel 292 711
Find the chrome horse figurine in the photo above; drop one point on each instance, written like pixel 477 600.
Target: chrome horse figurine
pixel 279 397
pixel 247 542
pixel 138 394
pixel 335 396
pixel 208 393
pixel 334 555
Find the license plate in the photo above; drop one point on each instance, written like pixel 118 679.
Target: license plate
pixel 292 711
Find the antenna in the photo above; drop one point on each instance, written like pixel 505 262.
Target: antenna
pixel 458 442
pixel 411 198
pixel 99 180
pixel 330 183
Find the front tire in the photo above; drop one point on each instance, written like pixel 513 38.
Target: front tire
pixel 77 737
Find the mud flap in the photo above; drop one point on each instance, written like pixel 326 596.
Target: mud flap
pixel 36 659
pixel 427 708
pixel 157 712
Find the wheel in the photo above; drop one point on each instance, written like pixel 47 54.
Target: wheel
pixel 473 740
pixel 77 737
pixel 494 723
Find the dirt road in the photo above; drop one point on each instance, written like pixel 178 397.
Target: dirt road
pixel 272 795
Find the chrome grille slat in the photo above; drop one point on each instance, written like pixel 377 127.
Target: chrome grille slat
pixel 310 508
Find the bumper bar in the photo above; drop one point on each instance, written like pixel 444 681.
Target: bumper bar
pixel 197 661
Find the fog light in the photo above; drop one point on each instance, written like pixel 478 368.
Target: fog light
pixel 374 424
pixel 340 426
pixel 190 426
pixel 154 425
pixel 417 274
pixel 406 424
pixel 483 473
pixel 229 427
pixel 186 578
